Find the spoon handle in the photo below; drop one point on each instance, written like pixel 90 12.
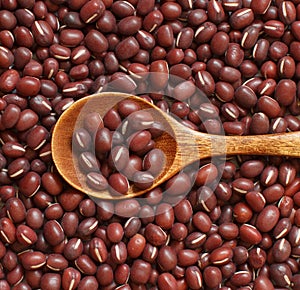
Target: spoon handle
pixel 285 144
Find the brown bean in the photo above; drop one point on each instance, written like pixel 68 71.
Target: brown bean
pixel 271 214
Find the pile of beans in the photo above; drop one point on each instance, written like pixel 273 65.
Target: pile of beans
pixel 119 149
pixel 236 227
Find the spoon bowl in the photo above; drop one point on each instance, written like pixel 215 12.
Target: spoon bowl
pixel 181 145
pixel 67 162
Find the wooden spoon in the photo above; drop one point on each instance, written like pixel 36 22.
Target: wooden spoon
pixel 181 145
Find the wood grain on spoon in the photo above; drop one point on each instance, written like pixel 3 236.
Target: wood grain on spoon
pixel 181 145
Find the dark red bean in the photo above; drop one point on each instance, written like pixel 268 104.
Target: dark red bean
pixel 42 33
pixel 33 260
pixel 271 214
pixel 25 235
pixel 91 11
pixel 127 48
pixel 53 232
pixel 96 41
pixel 15 209
pixel 250 234
pixel 221 256
pixel 166 281
pixel 70 278
pixel 241 18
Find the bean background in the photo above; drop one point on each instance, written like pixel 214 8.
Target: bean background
pixel 239 225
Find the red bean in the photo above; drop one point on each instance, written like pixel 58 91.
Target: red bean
pixel 271 214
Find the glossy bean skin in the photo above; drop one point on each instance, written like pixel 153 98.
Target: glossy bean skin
pixel 204 228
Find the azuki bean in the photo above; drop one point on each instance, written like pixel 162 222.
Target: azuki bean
pixel 286 67
pixel 221 256
pixel 155 235
pixel 260 124
pixel 119 253
pixel 287 173
pixel 260 7
pixel 18 167
pixel 15 209
pixel 119 183
pixel 42 33
pixel 159 67
pixel 11 115
pixel 73 249
pixel 288 86
pixel 70 278
pixel 184 38
pixel 215 12
pixel 165 37
pixel 195 240
pixel 33 260
pixel 205 82
pixel 229 74
pixel 153 20
pixel 281 274
pixel 140 271
pixel 54 211
pixel 88 282
pixel 282 228
pixel 15 276
pixel 53 232
pixel 98 250
pixel 7 192
pixel 263 282
pixel 273 193
pixel 234 55
pixel 130 25
pixel 91 11
pixel 212 276
pixel 250 234
pixel 228 269
pixel 105 270
pixel 285 206
pixel 287 12
pixel 28 86
pixel 271 214
pixel 248 68
pixel 139 140
pixel 277 50
pixel 281 250
pixel 274 28
pixel 241 278
pixel 194 277
pixel 50 281
pixel 30 183
pixel 25 235
pixel 241 18
pixel 197 17
pixel 9 260
pixel 204 261
pixel 34 218
pixel 27 119
pixel 171 11
pixel 166 281
pixel 260 50
pixel 9 80
pixel 219 43
pixel 127 48
pixel 70 37
pixel 95 41
pixel 7 38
